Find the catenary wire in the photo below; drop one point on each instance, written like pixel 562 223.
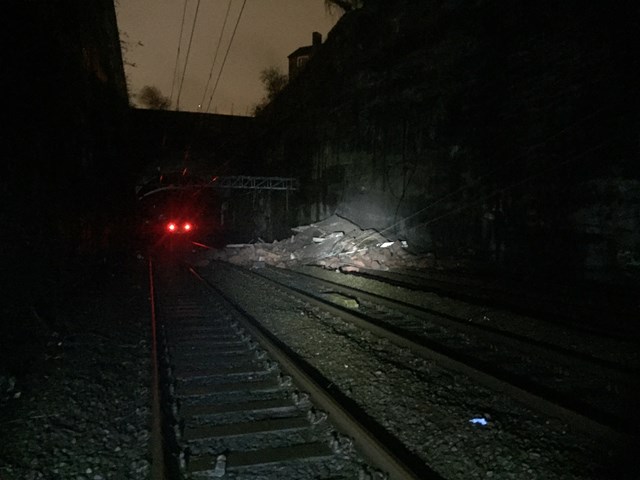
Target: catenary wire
pixel 215 56
pixel 516 184
pixel 224 60
pixel 199 125
pixel 186 61
pixel 175 68
pixel 494 192
pixel 502 166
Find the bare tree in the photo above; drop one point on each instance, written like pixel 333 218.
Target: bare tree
pixel 274 82
pixel 151 97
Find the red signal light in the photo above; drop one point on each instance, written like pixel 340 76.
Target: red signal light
pixel 179 227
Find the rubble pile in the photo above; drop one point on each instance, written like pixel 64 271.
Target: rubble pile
pixel 334 243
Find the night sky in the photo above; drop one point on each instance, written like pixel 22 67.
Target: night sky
pixel 267 32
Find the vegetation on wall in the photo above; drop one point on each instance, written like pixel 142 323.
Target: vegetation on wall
pixel 151 97
pixel 273 81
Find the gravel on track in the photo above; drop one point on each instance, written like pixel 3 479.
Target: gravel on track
pixel 430 409
pixel 80 410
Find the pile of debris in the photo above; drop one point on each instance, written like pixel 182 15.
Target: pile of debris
pixel 334 243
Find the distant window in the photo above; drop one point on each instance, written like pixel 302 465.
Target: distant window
pixel 300 61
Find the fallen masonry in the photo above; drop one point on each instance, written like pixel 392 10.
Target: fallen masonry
pixel 334 243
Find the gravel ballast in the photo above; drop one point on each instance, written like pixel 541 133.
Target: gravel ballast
pixel 81 411
pixel 430 409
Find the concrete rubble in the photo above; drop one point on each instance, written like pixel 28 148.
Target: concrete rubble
pixel 334 243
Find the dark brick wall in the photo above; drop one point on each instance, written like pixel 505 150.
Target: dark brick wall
pixel 62 174
pixel 495 130
pixel 207 143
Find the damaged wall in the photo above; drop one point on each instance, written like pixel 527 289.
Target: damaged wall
pixel 495 130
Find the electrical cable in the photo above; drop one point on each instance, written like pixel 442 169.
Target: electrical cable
pixel 175 68
pixel 224 60
pixel 515 184
pixel 505 164
pixel 199 125
pixel 215 56
pixel 186 61
pixel 491 194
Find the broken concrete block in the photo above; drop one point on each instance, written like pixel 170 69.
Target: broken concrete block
pixel 349 268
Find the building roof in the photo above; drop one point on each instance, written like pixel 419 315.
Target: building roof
pixel 302 51
pixel 316 41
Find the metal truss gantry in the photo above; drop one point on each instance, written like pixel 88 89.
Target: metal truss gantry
pixel 238 182
pixel 254 183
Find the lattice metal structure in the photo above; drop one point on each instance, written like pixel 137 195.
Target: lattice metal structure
pixel 239 182
pixel 254 183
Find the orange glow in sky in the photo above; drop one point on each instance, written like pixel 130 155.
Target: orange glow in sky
pixel 268 31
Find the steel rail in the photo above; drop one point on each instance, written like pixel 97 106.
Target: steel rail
pixel 510 339
pixel 551 404
pixel 158 470
pixel 373 443
pixel 502 298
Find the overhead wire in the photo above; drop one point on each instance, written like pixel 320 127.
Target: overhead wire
pixel 515 184
pixel 471 202
pixel 448 195
pixel 175 68
pixel 199 125
pixel 510 161
pixel 474 201
pixel 215 56
pixel 186 61
pixel 224 60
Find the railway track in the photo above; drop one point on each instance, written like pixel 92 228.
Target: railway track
pixel 236 403
pixel 624 364
pixel 593 394
pixel 583 311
